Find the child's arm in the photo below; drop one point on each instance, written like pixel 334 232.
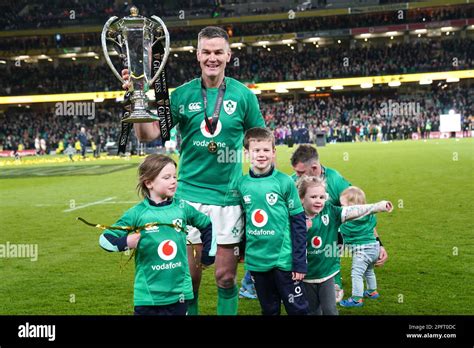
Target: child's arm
pixel 297 231
pixel 206 238
pixel 203 224
pixel 298 242
pixel 118 240
pixel 357 211
pixel 383 255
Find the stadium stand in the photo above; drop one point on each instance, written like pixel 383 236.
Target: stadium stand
pixel 443 42
pixel 260 65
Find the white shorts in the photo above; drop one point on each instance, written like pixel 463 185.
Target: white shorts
pixel 227 225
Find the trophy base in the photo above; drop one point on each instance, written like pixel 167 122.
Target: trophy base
pixel 141 116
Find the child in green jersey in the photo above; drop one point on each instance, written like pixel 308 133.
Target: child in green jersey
pixel 359 238
pixel 323 221
pixel 275 252
pixel 162 278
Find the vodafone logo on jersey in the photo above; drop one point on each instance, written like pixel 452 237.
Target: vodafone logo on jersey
pixel 205 130
pixel 316 242
pixel 167 250
pixel 259 218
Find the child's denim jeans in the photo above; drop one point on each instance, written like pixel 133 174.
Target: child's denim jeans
pixel 363 260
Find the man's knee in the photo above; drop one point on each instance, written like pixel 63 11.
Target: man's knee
pixel 225 277
pixel 226 266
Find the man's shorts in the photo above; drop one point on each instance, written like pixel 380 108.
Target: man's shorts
pixel 227 225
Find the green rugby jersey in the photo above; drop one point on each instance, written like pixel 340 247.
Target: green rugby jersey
pixel 205 177
pixel 268 203
pixel 161 265
pixel 335 184
pixel 322 251
pixel 294 177
pixel 359 231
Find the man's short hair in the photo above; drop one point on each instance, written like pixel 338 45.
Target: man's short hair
pixel 213 32
pixel 304 154
pixel 258 134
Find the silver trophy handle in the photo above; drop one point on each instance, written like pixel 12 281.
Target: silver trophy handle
pixel 106 52
pixel 167 48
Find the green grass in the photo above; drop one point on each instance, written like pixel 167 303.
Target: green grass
pixel 429 236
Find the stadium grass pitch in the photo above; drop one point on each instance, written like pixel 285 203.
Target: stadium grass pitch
pixel 428 236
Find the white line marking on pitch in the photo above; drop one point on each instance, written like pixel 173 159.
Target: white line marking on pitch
pixel 114 202
pixel 88 205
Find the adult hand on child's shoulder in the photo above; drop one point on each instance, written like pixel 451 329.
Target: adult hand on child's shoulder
pixel 383 256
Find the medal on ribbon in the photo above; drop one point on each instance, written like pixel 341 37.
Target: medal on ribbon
pixel 212 123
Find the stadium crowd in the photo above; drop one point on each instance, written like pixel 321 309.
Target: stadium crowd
pixel 363 60
pixel 341 117
pixel 56 13
pixel 25 128
pixel 180 33
pixel 280 64
pixel 365 117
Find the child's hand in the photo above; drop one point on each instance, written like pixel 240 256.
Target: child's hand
pixel 125 76
pixel 297 276
pixel 385 206
pixel 388 206
pixel 207 260
pixel 132 240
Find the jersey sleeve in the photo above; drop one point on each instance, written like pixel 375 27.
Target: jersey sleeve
pixel 238 188
pixel 253 116
pixel 202 222
pixel 336 214
pixel 298 233
pixel 175 115
pixel 292 199
pixel 342 184
pixel 116 240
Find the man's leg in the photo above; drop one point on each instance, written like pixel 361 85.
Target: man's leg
pixel 194 257
pixel 227 226
pixel 226 271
